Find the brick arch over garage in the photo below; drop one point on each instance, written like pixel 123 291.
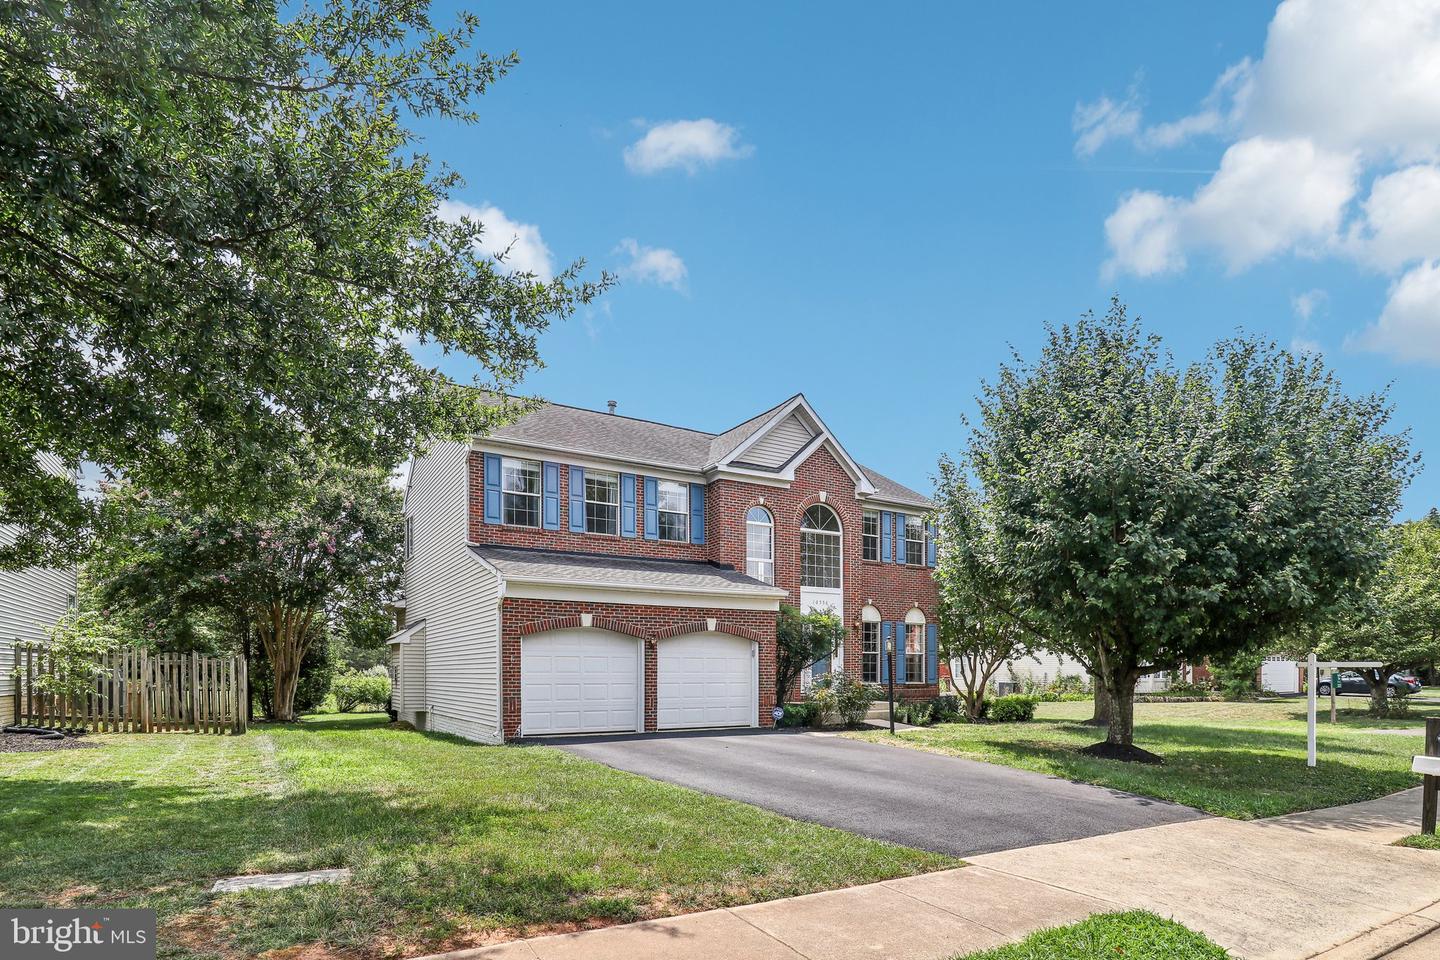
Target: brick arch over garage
pixel 704 626
pixel 612 624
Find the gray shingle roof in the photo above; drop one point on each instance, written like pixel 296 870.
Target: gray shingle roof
pixel 558 566
pixel 605 435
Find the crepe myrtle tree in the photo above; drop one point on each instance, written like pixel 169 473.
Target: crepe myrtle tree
pixel 800 640
pixel 982 625
pixel 327 555
pixel 1397 620
pixel 222 237
pixel 1150 515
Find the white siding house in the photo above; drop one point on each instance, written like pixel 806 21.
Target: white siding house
pixel 448 655
pixel 31 600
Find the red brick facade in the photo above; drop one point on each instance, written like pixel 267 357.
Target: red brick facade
pixel 893 589
pixel 521 617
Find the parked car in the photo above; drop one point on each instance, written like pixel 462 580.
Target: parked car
pixel 1401 684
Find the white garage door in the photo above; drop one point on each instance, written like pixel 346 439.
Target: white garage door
pixel 705 680
pixel 579 681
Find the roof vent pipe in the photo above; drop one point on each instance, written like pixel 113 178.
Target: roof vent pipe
pixel 611 405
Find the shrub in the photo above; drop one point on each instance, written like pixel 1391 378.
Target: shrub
pixel 1236 676
pixel 839 695
pixel 798 714
pixel 1013 708
pixel 353 689
pixel 916 713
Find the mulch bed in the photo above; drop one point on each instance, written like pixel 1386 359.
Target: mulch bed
pixel 26 743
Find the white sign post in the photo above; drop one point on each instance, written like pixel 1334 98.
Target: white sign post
pixel 1312 667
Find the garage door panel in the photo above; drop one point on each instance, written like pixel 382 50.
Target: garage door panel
pixel 578 681
pixel 705 680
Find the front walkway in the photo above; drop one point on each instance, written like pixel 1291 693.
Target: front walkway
pixel 1325 884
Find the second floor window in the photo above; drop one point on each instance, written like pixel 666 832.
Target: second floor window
pixel 870 536
pixel 870 652
pixel 602 503
pixel 915 541
pixel 673 505
pixel 760 545
pixel 915 653
pixel 520 484
pixel 820 548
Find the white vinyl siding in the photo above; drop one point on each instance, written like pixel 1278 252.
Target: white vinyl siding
pixel 31 600
pixel 450 670
pixel 1043 667
pixel 783 441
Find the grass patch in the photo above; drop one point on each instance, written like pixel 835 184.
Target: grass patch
pixel 1135 935
pixel 1420 841
pixel 452 843
pixel 1240 760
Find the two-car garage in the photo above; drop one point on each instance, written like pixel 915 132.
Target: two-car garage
pixel 589 680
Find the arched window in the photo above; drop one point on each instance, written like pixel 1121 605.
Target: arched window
pixel 915 646
pixel 820 548
pixel 760 545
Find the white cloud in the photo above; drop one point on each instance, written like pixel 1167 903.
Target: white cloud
pixel 1401 221
pixel 518 246
pixel 1346 91
pixel 687 144
pixel 1409 326
pixel 1305 304
pixel 1097 123
pixel 1144 236
pixel 1352 75
pixel 1269 196
pixel 655 265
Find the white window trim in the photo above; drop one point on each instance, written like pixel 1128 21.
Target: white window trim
pixel 765 562
pixel 538 495
pixel 683 514
pixel 587 475
pixel 907 540
pixel 865 515
pixel 839 536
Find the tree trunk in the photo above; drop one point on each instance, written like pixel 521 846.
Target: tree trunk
pixel 1101 717
pixel 1121 696
pixel 1379 692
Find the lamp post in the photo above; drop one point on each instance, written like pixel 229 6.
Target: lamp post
pixel 891 679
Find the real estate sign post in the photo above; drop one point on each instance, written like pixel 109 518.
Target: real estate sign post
pixel 1312 669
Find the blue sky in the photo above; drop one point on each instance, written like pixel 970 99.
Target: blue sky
pixel 871 205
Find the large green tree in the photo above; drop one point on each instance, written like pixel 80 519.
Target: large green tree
pixel 1397 620
pixel 1151 515
pixel 320 563
pixel 219 239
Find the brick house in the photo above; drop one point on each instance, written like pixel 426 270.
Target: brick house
pixel 584 572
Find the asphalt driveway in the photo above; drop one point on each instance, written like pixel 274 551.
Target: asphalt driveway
pixel 910 797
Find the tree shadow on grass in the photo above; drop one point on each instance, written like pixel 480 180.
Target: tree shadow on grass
pixel 422 869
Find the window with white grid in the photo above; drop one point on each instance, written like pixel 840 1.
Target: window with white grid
pixel 673 502
pixel 602 503
pixel 915 541
pixel 520 486
pixel 914 653
pixel 760 544
pixel 820 549
pixel 870 652
pixel 870 536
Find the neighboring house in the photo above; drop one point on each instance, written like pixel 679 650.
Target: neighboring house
pixel 1044 666
pixel 583 572
pixel 31 601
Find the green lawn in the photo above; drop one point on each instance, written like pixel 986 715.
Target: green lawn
pixel 1240 760
pixel 1421 841
pixel 1136 935
pixel 452 844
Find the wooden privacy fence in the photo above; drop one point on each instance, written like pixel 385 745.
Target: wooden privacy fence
pixel 136 691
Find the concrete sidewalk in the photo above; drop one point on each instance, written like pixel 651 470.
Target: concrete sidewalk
pixel 1325 884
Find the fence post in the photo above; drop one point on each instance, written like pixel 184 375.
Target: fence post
pixel 1428 794
pixel 244 695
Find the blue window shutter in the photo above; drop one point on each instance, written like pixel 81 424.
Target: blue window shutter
pixel 887 640
pixel 652 513
pixel 899 538
pixel 550 500
pixel 932 653
pixel 627 504
pixel 932 529
pixel 884 536
pixel 900 632
pixel 492 488
pixel 577 500
pixel 697 513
